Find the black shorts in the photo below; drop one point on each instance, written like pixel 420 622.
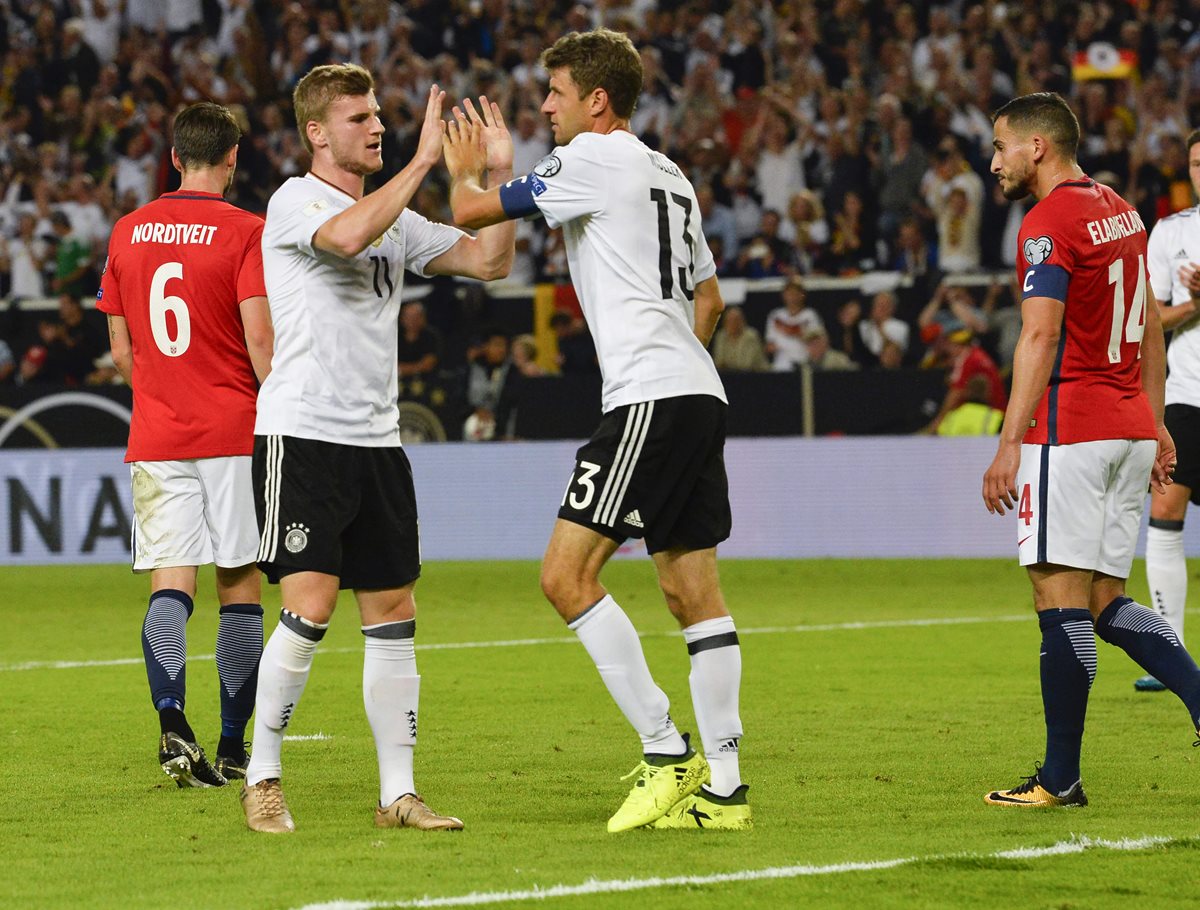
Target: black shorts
pixel 1183 423
pixel 348 511
pixel 655 470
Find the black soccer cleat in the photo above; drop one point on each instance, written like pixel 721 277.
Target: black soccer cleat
pixel 233 767
pixel 185 763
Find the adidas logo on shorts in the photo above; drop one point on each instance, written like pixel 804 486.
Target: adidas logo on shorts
pixel 634 520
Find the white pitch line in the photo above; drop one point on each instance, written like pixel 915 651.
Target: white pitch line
pixel 612 886
pixel 562 640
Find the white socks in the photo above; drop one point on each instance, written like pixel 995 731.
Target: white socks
pixel 614 646
pixel 1166 574
pixel 715 681
pixel 391 691
pixel 286 660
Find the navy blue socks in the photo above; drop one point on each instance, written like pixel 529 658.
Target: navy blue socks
pixel 1068 668
pixel 1149 639
pixel 239 650
pixel 164 645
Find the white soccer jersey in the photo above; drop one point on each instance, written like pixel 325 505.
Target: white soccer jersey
pixel 333 372
pixel 636 251
pixel 1174 242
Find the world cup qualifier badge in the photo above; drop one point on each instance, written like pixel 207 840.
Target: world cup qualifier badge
pixel 296 538
pixel 1037 249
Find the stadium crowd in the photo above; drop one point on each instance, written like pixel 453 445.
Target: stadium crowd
pixel 823 138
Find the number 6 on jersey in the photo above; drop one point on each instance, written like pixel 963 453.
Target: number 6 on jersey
pixel 162 303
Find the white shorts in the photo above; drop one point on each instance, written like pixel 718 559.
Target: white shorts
pixel 1081 505
pixel 190 513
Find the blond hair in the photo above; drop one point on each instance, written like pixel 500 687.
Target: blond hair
pixel 323 85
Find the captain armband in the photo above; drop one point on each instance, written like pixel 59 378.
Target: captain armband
pixel 517 196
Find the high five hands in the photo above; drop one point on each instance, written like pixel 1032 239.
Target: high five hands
pixel 477 139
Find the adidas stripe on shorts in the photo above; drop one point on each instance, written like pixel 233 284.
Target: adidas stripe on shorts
pixel 656 470
pixel 1081 505
pixel 342 510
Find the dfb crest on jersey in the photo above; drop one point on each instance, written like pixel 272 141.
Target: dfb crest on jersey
pixel 1038 249
pixel 296 538
pixel 548 166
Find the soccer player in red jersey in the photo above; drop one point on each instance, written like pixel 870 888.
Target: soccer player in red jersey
pixel 191 333
pixel 1083 435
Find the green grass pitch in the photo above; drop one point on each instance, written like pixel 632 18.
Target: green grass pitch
pixel 863 745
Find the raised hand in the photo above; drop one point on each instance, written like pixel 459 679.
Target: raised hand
pixel 429 145
pixel 463 146
pixel 494 131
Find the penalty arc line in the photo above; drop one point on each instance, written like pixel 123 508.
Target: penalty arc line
pixel 560 640
pixel 611 886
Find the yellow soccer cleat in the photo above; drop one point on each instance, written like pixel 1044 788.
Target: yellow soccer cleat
pixel 662 781
pixel 707 811
pixel 1032 794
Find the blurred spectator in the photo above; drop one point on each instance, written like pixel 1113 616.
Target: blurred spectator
pixel 737 346
pixel 958 233
pixel 852 247
pixel 491 391
pixel 779 163
pixel 26 256
pixel 913 256
pixel 882 327
pixel 88 219
pixel 975 416
pixel 898 177
pixel 524 356
pixel 8 363
pixel 787 325
pixel 418 351
pixel 805 228
pixel 531 141
pixel 66 349
pixel 73 259
pixel 766 255
pixel 952 308
pixel 716 219
pixel 968 360
pixel 821 356
pixel 576 352
pixel 1004 323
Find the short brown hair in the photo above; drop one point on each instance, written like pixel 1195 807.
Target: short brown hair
pixel 323 85
pixel 1046 113
pixel 600 59
pixel 1192 139
pixel 203 134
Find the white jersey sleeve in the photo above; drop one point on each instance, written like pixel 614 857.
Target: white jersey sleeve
pixel 1162 278
pixel 297 211
pixel 575 185
pixel 706 266
pixel 425 240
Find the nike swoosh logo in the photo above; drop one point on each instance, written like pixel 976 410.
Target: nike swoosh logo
pixel 1021 542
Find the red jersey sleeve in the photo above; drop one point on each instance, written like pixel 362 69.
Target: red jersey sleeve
pixel 250 282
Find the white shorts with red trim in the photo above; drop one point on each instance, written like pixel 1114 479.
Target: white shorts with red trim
pixel 190 513
pixel 1081 505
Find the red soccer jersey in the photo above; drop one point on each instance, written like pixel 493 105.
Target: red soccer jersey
pixel 1086 246
pixel 178 269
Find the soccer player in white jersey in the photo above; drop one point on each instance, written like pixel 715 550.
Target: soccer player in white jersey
pixel 334 488
pixel 655 467
pixel 1174 254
